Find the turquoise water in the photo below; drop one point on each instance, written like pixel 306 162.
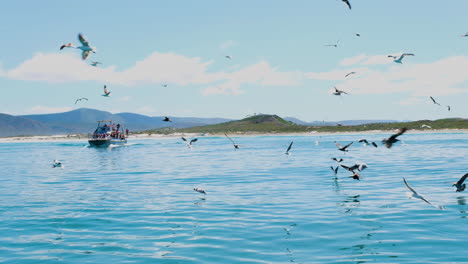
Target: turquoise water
pixel 136 204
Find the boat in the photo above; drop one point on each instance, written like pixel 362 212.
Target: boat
pixel 107 133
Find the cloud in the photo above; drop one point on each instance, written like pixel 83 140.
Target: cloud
pixel 155 69
pixel 442 77
pixel 411 101
pixel 353 60
pixel 260 74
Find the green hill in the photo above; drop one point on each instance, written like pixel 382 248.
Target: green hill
pixel 276 124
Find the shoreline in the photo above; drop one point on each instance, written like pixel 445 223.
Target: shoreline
pixel 65 138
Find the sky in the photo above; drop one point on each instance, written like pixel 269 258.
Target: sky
pixel 280 64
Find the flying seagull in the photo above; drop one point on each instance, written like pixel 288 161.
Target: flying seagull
pixel 367 143
pixel 359 167
pixel 228 57
pixel 95 63
pixel 57 164
pixel 236 146
pixel 434 101
pixel 189 143
pixel 459 184
pixel 167 119
pixel 335 170
pixel 349 74
pixel 338 92
pixel 393 138
pixel 465 35
pixel 341 148
pixel 85 47
pixel 356 176
pixel 333 45
pixel 164 85
pixel 400 59
pixel 357 34
pixel 337 160
pixel 289 148
pixel 415 194
pixel 448 108
pixel 106 92
pixel 425 126
pixel 347 3
pixel 81 99
pixel 199 190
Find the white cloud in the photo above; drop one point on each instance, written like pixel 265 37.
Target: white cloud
pixel 41 109
pixel 353 60
pixel 442 77
pixel 155 69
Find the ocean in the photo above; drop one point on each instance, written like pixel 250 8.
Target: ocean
pixel 136 203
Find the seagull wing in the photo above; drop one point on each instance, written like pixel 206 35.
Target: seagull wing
pixel 290 146
pixel 374 144
pixel 77 100
pixel 105 90
pixel 346 168
pixel 462 179
pixel 363 141
pixel 347 3
pixel 338 145
pixel 184 139
pixel 83 40
pixel 434 101
pixel 415 194
pixel 193 140
pixel 400 131
pixel 230 139
pixel 349 74
pixel 345 147
pixel 84 54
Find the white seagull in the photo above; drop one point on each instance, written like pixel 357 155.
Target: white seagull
pixel 85 47
pixel 189 143
pixel 400 59
pixel 338 92
pixel 425 126
pixel 199 190
pixel 57 164
pixel 106 92
pixel 95 63
pixel 415 194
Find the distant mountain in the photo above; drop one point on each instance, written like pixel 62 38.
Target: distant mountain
pixel 343 122
pixel 14 126
pixel 83 120
pixel 257 123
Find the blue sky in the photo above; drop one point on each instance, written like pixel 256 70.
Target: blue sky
pixel 279 62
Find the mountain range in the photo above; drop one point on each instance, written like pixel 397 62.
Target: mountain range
pixel 83 120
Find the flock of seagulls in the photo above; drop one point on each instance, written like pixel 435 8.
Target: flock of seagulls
pixel 86 49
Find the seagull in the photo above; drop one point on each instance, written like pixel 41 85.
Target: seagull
pixel 228 57
pixel 236 146
pixel 400 59
pixel 357 34
pixel 417 195
pixel 199 190
pixel 57 164
pixel 338 92
pixel 448 108
pixel 337 160
pixel 95 63
pixel 465 35
pixel 434 101
pixel 359 167
pixel 167 119
pixel 335 170
pixel 459 184
pixel 85 47
pixel 333 45
pixel 81 99
pixel 341 148
pixel 164 85
pixel 393 138
pixel 289 148
pixel 349 74
pixel 189 143
pixel 356 176
pixel 425 126
pixel 347 3
pixel 367 143
pixel 106 92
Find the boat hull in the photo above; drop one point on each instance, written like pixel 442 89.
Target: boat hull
pixel 103 143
